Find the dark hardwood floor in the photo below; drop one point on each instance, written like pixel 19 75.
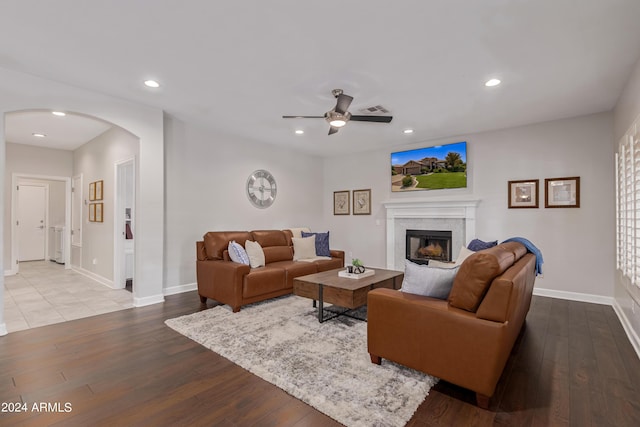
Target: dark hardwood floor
pixel 572 365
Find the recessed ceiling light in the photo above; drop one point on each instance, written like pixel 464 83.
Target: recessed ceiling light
pixel 299 131
pixel 39 135
pixel 408 131
pixel 152 83
pixel 492 82
pixel 59 113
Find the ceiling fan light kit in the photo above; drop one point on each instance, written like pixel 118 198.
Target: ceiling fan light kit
pixel 339 116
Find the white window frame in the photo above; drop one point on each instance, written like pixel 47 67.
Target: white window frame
pixel 628 204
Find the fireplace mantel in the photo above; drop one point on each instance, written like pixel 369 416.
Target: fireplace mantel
pixel 431 209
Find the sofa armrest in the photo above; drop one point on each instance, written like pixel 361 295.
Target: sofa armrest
pixel 337 254
pixel 221 281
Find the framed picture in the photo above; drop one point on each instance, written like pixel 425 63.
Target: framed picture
pixel 92 212
pixel 98 212
pixel 341 202
pixel 92 191
pixel 523 194
pixel 562 192
pixel 362 202
pixel 98 190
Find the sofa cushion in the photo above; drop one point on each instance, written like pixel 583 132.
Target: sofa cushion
pixel 293 269
pixel 475 275
pixel 428 281
pixel 263 280
pixel 237 253
pixel 329 264
pixel 256 255
pixel 304 248
pixel 216 242
pixel 322 242
pixel 277 253
pixel 268 238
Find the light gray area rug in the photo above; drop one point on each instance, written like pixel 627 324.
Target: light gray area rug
pixel 325 365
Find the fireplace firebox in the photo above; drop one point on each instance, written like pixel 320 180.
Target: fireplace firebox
pixel 425 245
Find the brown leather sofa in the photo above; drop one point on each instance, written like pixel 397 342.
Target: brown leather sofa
pixel 465 340
pixel 237 284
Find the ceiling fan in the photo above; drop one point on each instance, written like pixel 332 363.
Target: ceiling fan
pixel 339 116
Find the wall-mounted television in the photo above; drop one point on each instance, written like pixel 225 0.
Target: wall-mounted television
pixel 430 168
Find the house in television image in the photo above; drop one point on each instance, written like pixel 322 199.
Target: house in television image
pixel 430 168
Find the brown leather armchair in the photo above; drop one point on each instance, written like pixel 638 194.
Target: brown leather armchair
pixel 467 339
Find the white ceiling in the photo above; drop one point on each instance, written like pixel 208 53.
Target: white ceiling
pixel 237 67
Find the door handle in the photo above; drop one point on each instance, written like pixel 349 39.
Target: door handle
pixel 41 227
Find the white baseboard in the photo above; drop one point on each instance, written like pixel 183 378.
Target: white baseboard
pixel 94 276
pixel 626 325
pixel 10 272
pixel 144 301
pixel 573 296
pixel 3 329
pixel 180 289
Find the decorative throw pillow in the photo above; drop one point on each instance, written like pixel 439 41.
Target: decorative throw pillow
pixel 322 243
pixel 297 232
pixel 304 247
pixel 464 254
pixel 255 253
pixel 237 253
pixel 478 245
pixel 428 281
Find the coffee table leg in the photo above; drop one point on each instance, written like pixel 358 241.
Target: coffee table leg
pixel 320 304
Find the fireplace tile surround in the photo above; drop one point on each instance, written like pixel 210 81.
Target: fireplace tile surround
pixel 455 215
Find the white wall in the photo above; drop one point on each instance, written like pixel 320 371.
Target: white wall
pixel 571 240
pixel 95 161
pixel 627 296
pixel 206 175
pixel 30 160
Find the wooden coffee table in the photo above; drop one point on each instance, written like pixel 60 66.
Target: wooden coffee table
pixel 328 287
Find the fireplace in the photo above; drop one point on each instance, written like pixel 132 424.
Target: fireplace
pixel 424 245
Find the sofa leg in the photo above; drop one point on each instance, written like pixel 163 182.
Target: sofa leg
pixel 482 401
pixel 375 359
pixel 203 299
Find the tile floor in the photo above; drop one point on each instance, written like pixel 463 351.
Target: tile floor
pixel 44 293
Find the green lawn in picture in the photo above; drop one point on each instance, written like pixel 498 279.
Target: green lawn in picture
pixel 442 180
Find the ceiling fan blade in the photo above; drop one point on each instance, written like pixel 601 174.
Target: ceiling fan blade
pixel 303 117
pixel 343 103
pixel 333 130
pixel 377 119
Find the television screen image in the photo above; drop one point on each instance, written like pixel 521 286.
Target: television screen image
pixel 430 168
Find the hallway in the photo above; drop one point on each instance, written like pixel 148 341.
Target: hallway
pixel 44 293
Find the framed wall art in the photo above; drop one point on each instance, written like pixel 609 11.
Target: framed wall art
pixel 341 202
pixel 92 191
pixel 524 194
pixel 99 207
pixel 98 190
pixel 92 212
pixel 362 202
pixel 562 192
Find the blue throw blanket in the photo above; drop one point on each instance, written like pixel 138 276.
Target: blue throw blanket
pixel 531 248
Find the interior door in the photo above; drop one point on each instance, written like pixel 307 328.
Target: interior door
pixel 31 222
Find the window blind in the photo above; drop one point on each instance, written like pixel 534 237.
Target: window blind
pixel 628 205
